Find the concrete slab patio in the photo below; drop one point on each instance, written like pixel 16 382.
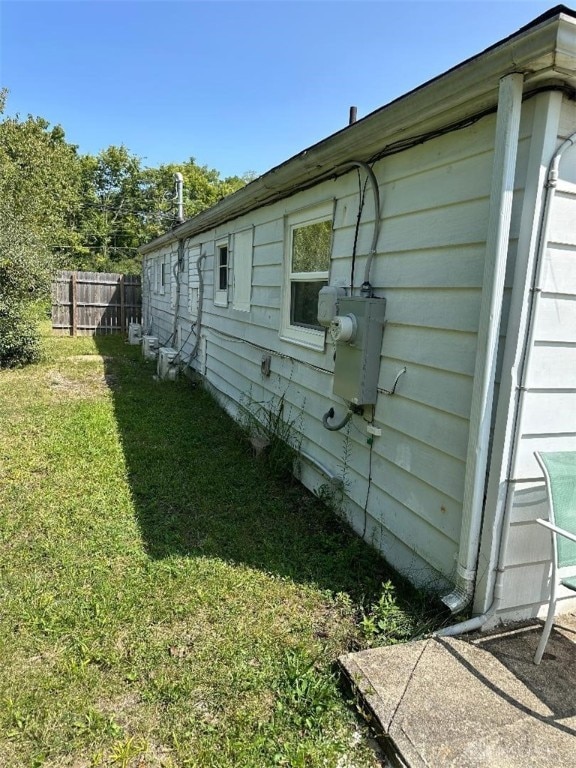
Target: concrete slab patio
pixel 473 701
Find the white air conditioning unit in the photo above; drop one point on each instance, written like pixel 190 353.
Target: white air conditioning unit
pixel 150 347
pixel 167 368
pixel 134 333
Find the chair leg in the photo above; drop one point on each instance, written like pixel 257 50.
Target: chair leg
pixel 549 622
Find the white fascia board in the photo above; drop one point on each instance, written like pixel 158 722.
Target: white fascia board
pixel 545 54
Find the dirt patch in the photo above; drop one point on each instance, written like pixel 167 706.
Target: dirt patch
pixel 92 384
pixel 121 708
pixel 84 358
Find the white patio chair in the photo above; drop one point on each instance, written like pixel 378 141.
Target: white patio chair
pixel 560 475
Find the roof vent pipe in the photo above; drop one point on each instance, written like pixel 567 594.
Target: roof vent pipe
pixel 179 182
pixel 353 115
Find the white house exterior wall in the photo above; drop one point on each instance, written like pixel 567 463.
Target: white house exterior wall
pixel 542 408
pixel 548 419
pixel 429 262
pixel 429 268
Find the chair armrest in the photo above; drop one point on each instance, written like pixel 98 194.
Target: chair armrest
pixel 559 531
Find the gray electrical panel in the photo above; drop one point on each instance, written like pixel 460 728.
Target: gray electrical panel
pixel 357 331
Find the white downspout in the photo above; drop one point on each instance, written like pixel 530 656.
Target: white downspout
pixel 497 240
pixel 551 183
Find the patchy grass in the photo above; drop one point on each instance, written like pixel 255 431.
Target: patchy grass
pixel 164 601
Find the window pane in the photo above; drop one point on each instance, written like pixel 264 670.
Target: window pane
pixel 304 304
pixel 311 247
pixel 223 268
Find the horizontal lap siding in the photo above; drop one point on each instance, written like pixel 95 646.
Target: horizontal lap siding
pixel 429 267
pixel 159 320
pixel 549 412
pixel 430 272
pixel 550 400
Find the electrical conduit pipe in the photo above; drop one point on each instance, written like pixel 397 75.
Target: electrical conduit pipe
pixel 339 425
pixel 366 286
pixel 194 352
pixel 178 267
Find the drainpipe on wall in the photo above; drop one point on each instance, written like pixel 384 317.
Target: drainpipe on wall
pixel 506 507
pixel 499 218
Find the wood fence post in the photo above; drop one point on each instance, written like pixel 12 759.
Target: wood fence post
pixel 74 304
pixel 122 305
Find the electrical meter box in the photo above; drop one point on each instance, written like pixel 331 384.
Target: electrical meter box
pixel 328 303
pixel 357 332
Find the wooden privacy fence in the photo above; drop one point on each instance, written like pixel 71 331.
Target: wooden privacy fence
pixel 85 303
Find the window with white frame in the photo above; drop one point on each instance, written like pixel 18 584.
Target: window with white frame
pixel 308 246
pixel 221 272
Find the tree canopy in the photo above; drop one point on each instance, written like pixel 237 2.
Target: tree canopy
pixel 124 204
pixel 38 194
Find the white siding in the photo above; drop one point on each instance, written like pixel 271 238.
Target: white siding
pixel 548 413
pixel 160 315
pixel 429 267
pixel 242 269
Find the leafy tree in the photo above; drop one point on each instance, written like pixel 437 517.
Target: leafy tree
pixel 38 195
pixel 62 209
pixel 25 273
pixel 39 174
pixel 125 205
pixel 109 220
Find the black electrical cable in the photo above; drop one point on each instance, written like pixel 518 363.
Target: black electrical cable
pixel 274 352
pixel 362 195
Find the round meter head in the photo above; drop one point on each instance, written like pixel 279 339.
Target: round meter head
pixel 343 328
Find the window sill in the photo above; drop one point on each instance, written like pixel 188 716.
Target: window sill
pixel 317 344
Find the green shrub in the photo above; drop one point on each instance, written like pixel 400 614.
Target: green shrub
pixel 19 336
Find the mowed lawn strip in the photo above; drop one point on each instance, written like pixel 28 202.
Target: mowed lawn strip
pixel 164 600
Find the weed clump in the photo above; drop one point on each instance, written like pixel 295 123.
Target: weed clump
pixel 393 619
pixel 274 434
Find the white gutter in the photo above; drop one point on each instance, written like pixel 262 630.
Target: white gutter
pixel 497 240
pixel 506 507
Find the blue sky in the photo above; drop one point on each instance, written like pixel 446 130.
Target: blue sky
pixel 240 86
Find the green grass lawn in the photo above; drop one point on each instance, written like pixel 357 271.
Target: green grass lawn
pixel 164 600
